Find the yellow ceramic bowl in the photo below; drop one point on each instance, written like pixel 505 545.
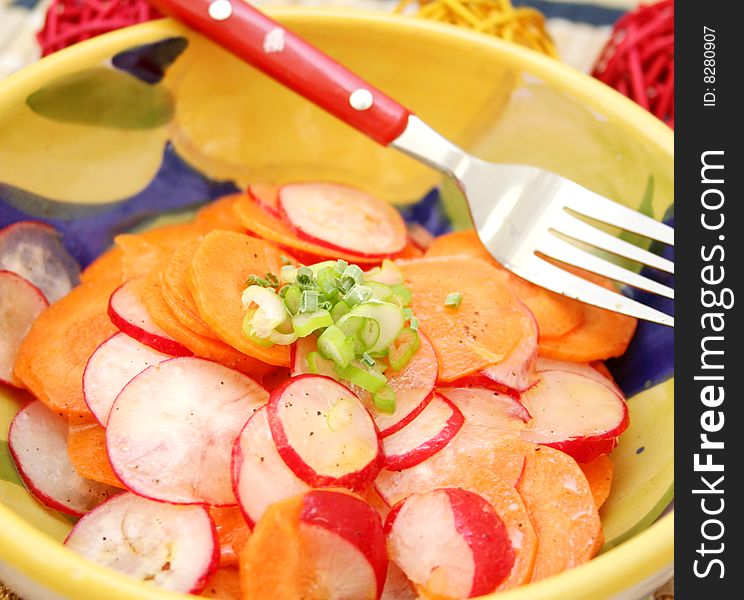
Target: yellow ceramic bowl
pixel 231 123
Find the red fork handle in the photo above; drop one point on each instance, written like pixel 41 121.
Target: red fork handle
pixel 249 34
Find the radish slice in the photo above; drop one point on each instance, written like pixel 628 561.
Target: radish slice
pixel 343 218
pixel 486 411
pixel 171 430
pixel 34 251
pixel 324 433
pixel 127 311
pixel 575 414
pixel 266 196
pixel 114 363
pixel 346 544
pixel 174 547
pixel 413 386
pixel 423 437
pixel 397 585
pixel 517 371
pixel 38 444
pixel 20 303
pixel 450 543
pixel 550 364
pixel 259 475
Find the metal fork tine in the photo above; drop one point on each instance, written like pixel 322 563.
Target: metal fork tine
pixel 563 251
pixel 598 207
pixel 582 232
pixel 542 273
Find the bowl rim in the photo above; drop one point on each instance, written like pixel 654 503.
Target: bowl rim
pixel 639 561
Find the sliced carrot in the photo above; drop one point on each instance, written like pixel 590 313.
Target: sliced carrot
pixel 223 585
pixel 219 214
pixel 486 326
pixel 599 475
pixel 107 266
pixel 176 290
pixel 410 250
pixel 556 315
pixel 86 446
pixel 201 346
pixel 221 265
pixel 562 510
pixel 232 532
pixel 262 224
pixel 52 357
pixel 274 562
pixel 266 195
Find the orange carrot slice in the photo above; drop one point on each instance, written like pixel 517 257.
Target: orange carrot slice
pixel 221 265
pixel 556 315
pixel 176 290
pixel 107 266
pixel 259 222
pixel 223 585
pixel 201 346
pixel 86 446
pixel 561 507
pixel 277 534
pixel 219 214
pixel 486 326
pixel 232 532
pixel 52 357
pixel 599 474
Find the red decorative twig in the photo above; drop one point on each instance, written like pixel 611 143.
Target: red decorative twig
pixel 638 59
pixel 71 21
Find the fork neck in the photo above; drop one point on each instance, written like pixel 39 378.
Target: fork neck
pixel 426 145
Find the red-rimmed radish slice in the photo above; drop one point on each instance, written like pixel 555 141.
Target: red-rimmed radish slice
pixel 343 218
pixel 174 547
pixel 346 543
pixel 114 364
pixel 575 414
pixel 423 437
pixel 585 369
pixel 20 303
pixel 413 386
pixel 34 251
pixel 487 411
pixel 517 371
pixel 266 196
pixel 38 444
pixel 450 542
pixel 324 433
pixel 171 430
pixel 127 311
pixel 259 475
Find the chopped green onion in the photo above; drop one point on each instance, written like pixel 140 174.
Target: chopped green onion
pixel 389 274
pixel 380 291
pixel 369 333
pixel 407 313
pixel 248 331
pixel 328 280
pixel 309 301
pixel 355 272
pixel 339 310
pixel 288 274
pixel 318 365
pixel 385 400
pixel 256 280
pixel 367 379
pixel 334 345
pixel 270 313
pixel 283 339
pixel 285 259
pixel 305 323
pixel 341 266
pixel 304 276
pixel 271 278
pixel 403 294
pixel 413 324
pixel 453 300
pixel 292 298
pixel 388 316
pixel 403 348
pixel 358 294
pixel 351 325
pixel 367 360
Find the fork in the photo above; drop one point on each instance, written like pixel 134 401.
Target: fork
pixel 522 214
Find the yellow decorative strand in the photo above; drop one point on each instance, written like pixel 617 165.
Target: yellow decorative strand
pixel 523 25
